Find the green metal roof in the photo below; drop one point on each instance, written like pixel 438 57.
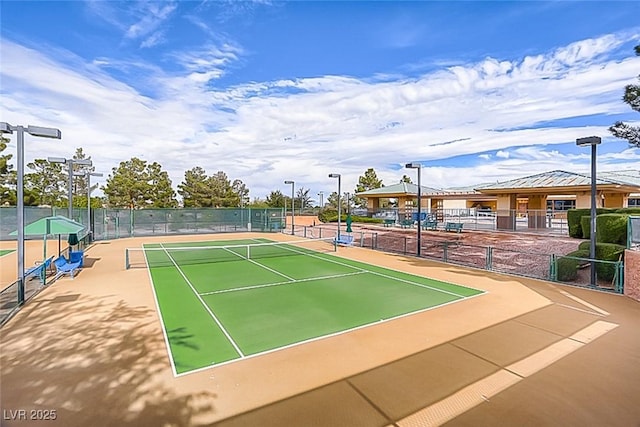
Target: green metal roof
pixel 557 178
pixel 406 188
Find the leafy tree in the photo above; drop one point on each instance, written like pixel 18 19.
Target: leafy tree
pixel 366 182
pixel 240 193
pixel 80 180
pixel 221 192
pixel 163 194
pixel 303 200
pixel 47 185
pixel 258 203
pixel 277 200
pixel 332 201
pixel 134 184
pixel 631 97
pixel 406 179
pixel 7 175
pixel 195 188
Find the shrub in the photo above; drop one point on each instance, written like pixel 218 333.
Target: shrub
pixel 331 215
pixel 605 252
pixel 567 268
pixel 585 226
pixel 612 228
pixel 574 218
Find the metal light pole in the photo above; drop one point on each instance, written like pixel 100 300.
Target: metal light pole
pixel 293 205
pixel 593 141
pixel 89 175
pixel 321 194
pixel 34 131
pixel 418 166
pixel 337 175
pixel 70 163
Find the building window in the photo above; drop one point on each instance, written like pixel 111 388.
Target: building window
pixel 561 205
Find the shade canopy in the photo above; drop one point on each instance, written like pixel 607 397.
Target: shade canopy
pixel 52 225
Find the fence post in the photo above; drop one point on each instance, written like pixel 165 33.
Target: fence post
pixel 489 258
pixel 445 256
pixel 553 268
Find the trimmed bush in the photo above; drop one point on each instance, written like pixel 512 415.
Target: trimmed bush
pixel 605 252
pixel 585 226
pixel 331 215
pixel 567 268
pixel 612 228
pixel 574 218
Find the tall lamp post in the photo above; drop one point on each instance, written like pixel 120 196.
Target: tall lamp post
pixel 293 205
pixel 417 166
pixel 70 163
pixel 593 141
pixel 321 204
pixel 337 175
pixel 34 131
pixel 89 175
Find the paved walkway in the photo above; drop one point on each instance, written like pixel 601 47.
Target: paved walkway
pixel 573 363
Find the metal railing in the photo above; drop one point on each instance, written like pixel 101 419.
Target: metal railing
pixel 537 265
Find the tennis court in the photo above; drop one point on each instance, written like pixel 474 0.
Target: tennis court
pixel 221 301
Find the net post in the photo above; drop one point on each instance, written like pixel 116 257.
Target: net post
pixel 126 259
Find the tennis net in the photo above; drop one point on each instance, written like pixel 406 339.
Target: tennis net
pixel 160 256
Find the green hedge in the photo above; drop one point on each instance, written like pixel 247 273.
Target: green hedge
pixel 585 226
pixel 612 228
pixel 331 215
pixel 567 268
pixel 574 218
pixel 605 252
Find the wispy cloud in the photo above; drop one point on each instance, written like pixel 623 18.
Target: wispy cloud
pixel 341 124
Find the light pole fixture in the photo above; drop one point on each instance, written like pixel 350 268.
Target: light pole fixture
pixel 293 205
pixel 592 141
pixel 70 163
pixel 41 132
pixel 89 175
pixel 337 175
pixel 418 166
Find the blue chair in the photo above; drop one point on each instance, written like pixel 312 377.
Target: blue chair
pixel 76 256
pixel 65 267
pixel 39 270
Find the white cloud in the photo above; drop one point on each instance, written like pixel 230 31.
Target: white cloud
pixel 340 124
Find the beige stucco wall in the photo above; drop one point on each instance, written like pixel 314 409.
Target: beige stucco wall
pixel 632 274
pixel 616 200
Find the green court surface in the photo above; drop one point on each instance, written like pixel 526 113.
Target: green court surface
pixel 227 300
pixel 4 252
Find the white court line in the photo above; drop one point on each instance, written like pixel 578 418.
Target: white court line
pixel 380 274
pixel 213 316
pixel 482 390
pixel 321 337
pixel 586 304
pixel 164 330
pixel 291 279
pixel 288 282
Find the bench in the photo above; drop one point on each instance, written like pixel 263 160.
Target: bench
pixel 77 256
pixel 345 240
pixel 39 270
pixel 430 225
pixel 453 226
pixel 388 222
pixel 65 267
pixel 406 223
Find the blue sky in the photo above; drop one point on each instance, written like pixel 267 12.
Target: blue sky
pixel 273 91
